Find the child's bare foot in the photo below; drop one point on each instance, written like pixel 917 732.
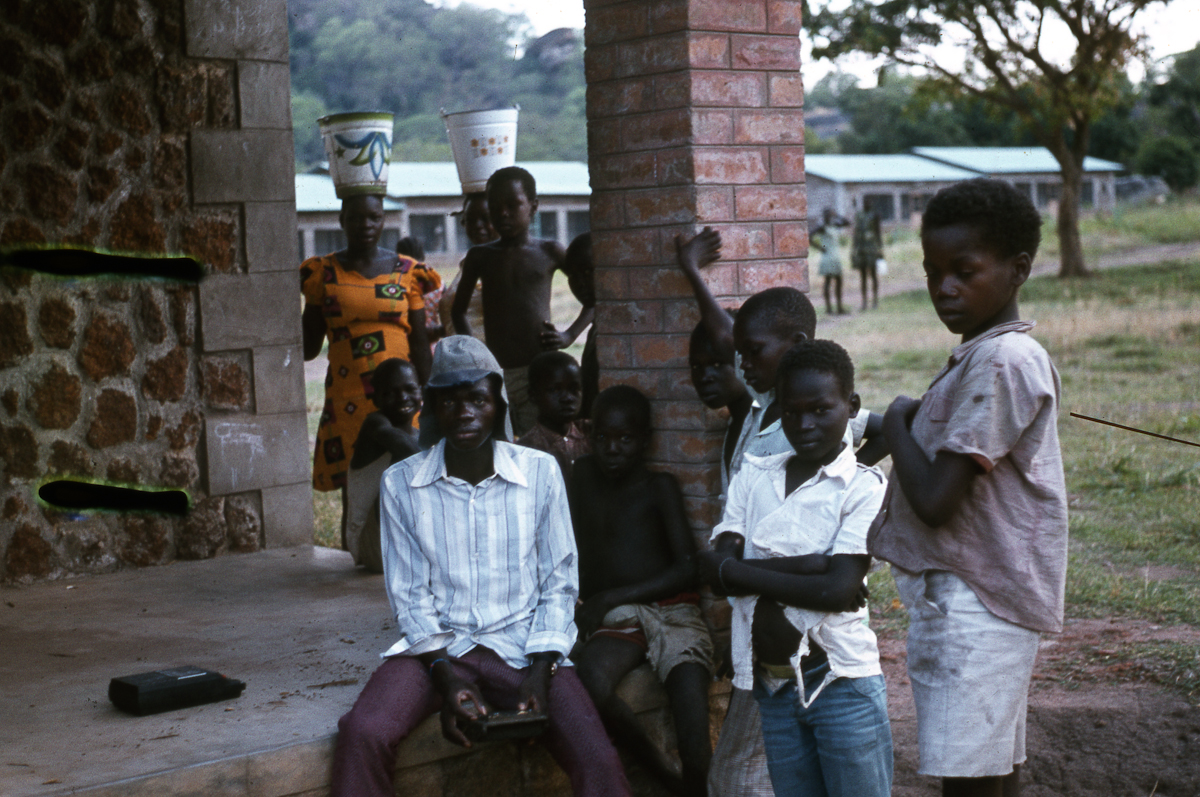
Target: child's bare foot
pixel 703 248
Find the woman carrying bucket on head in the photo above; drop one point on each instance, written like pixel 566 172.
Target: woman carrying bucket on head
pixel 365 299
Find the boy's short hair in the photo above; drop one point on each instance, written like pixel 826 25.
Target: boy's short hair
pixel 823 356
pixel 508 174
pixel 389 368
pixel 544 364
pixel 786 309
pixel 474 196
pixel 1005 217
pixel 627 398
pixel 410 246
pixel 579 253
pixel 700 336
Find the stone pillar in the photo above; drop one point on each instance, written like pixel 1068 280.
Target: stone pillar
pixel 694 118
pixel 249 321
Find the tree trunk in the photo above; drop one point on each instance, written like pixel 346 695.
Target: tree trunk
pixel 1070 245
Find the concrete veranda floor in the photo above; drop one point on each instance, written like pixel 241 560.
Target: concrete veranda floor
pixel 300 626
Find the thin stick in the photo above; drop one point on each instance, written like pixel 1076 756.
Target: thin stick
pixel 1132 429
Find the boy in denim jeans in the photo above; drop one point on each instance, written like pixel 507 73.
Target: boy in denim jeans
pixel 791 548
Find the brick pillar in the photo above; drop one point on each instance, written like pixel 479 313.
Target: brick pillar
pixel 694 118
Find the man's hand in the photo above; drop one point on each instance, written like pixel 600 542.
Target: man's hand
pixel 534 692
pixel 703 248
pixel 551 339
pixel 590 615
pixel 460 701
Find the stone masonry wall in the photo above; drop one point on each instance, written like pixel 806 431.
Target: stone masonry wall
pixel 117 120
pixel 694 118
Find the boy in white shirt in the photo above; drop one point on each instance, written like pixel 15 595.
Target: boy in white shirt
pixel 792 548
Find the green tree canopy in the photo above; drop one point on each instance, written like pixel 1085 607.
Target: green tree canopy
pixel 1008 62
pixel 414 59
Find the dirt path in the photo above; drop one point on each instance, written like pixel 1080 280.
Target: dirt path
pixel 1096 728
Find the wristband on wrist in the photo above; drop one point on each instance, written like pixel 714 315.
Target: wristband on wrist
pixel 434 663
pixel 721 572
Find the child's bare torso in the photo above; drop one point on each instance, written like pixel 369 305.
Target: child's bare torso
pixel 619 529
pixel 516 284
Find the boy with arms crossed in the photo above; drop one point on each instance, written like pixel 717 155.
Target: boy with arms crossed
pixel 792 545
pixel 637 582
pixel 975 519
pixel 516 271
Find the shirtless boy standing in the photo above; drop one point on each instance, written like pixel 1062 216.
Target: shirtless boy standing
pixel 637 581
pixel 516 271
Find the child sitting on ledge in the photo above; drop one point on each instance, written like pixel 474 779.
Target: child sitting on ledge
pixel 637 581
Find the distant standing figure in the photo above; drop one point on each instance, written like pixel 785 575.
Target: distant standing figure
pixel 825 239
pixel 516 272
pixel 865 249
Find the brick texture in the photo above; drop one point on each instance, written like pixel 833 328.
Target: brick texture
pixel 694 118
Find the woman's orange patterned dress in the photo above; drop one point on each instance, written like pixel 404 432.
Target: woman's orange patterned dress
pixel 367 322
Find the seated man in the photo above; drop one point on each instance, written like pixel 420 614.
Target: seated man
pixel 480 569
pixel 638 585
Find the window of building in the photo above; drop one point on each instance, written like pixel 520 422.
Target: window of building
pixel 578 222
pixel 430 230
pixel 389 239
pixel 547 225
pixel 881 204
pixel 327 241
pixel 1047 193
pixel 1087 192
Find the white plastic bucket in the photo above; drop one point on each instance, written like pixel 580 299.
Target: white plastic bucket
pixel 482 142
pixel 359 148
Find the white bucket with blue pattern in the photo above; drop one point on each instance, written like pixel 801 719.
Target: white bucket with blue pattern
pixel 359 148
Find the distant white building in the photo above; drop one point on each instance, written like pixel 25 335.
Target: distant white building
pixel 1033 169
pixel 897 187
pixel 422 199
pixel 894 186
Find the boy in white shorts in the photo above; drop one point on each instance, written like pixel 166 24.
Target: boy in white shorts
pixel 975 519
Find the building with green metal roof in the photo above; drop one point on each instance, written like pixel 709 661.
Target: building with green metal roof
pixel 1033 169
pixel 894 186
pixel 423 200
pixel 898 186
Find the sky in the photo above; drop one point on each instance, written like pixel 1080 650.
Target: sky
pixel 1171 28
